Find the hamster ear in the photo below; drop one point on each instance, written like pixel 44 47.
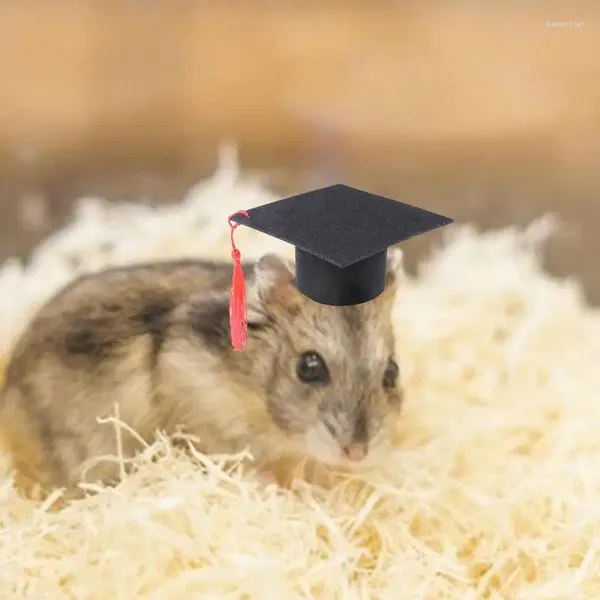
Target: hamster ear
pixel 395 266
pixel 394 273
pixel 274 284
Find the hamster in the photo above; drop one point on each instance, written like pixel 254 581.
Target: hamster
pixel 314 382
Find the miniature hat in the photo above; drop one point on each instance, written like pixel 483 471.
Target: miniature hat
pixel 341 236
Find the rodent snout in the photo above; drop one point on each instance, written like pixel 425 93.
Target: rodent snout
pixel 355 451
pixel 339 440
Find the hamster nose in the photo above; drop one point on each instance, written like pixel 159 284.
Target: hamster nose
pixel 355 451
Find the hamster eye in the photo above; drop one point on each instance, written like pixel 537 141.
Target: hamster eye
pixel 311 368
pixel 390 375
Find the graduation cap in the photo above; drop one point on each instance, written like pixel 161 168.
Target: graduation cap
pixel 341 235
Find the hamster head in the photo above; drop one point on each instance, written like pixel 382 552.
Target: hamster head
pixel 329 374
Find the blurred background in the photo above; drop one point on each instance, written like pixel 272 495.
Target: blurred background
pixel 489 113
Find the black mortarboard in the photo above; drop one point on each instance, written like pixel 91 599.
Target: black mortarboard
pixel 341 235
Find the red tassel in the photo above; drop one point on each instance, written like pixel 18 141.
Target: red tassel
pixel 238 324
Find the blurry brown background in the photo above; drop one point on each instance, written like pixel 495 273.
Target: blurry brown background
pixel 485 113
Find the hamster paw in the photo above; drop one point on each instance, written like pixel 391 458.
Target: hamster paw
pixel 267 478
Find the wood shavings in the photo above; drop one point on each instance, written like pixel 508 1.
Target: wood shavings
pixel 492 492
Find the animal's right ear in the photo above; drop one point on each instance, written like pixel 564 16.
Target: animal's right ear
pixel 395 266
pixel 275 286
pixel 393 275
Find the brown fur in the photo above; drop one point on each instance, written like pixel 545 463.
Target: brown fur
pixel 155 340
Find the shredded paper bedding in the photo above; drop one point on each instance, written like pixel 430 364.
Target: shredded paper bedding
pixel 493 490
